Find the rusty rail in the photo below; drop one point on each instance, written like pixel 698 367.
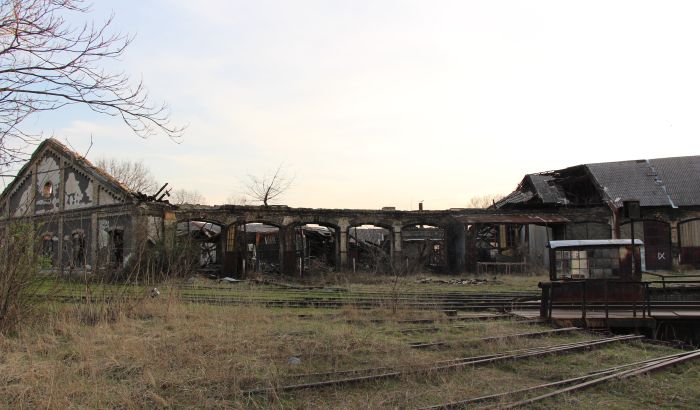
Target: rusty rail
pixel 624 374
pixel 444 365
pixel 625 368
pixel 423 345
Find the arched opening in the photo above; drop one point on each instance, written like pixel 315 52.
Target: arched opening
pixel 316 248
pixel 689 242
pixel 656 236
pixel 423 248
pixel 259 249
pixel 200 243
pixel 370 248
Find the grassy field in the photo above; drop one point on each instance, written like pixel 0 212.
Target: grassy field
pixel 158 353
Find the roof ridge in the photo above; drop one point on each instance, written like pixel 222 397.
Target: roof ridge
pixel 660 183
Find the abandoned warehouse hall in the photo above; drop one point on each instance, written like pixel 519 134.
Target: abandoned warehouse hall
pixel 88 221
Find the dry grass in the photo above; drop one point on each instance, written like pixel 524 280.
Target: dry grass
pixel 163 353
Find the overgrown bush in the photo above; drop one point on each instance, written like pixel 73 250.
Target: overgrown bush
pixel 20 263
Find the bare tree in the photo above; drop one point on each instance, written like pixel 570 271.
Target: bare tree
pixel 183 196
pixel 47 63
pixel 236 199
pixel 135 175
pixel 268 187
pixel 484 201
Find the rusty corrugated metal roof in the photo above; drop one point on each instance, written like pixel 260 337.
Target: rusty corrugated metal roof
pixel 515 219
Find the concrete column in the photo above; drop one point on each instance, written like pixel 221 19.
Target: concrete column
pixel 227 244
pixel 674 232
pixel 336 240
pixel 288 254
pixel 455 243
pixel 397 249
pixel 93 242
pixel 169 233
pixel 675 246
pixel 60 243
pixel 343 247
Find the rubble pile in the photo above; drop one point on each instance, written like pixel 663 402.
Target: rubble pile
pixel 460 281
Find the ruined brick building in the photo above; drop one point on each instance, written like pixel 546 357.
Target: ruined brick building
pixel 668 191
pixel 88 221
pixel 84 216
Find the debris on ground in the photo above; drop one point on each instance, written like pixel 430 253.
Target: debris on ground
pixel 460 281
pixel 229 279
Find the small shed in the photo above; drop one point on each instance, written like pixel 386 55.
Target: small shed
pixel 594 270
pixel 595 259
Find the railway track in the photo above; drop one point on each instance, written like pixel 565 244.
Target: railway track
pixel 449 305
pixel 357 376
pixel 445 344
pixel 429 302
pixel 570 384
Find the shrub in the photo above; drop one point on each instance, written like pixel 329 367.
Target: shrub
pixel 20 263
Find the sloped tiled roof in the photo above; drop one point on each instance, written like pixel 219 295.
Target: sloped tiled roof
pixel 654 182
pixel 515 197
pixel 546 189
pixel 673 181
pixel 534 186
pixel 681 177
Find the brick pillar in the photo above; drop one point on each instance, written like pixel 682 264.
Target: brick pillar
pixel 288 251
pixel 343 247
pixel 397 249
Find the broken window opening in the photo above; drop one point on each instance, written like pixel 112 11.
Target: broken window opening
pixel 500 242
pixel 47 190
pixel 48 248
pixel 424 248
pixel 259 248
pixel 77 248
pixel 116 247
pixel 203 241
pixel 315 248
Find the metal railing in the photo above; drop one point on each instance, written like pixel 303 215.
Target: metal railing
pixel 587 303
pixel 673 277
pixel 637 301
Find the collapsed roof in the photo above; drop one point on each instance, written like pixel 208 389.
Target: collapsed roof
pixel 654 182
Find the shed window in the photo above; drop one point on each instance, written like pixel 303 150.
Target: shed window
pixel 595 263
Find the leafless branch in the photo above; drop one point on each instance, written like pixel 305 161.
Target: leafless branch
pixel 183 196
pixel 46 63
pixel 135 175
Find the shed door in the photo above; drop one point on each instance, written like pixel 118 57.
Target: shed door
pixel 657 245
pixel 690 242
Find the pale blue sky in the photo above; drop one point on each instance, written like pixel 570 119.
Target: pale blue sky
pixel 386 103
